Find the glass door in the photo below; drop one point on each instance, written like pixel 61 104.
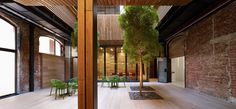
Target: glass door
pixel 110 61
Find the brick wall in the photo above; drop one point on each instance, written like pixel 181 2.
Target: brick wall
pixel 22 51
pixel 23 55
pixel 210 52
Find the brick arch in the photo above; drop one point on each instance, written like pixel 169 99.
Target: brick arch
pixel 177 46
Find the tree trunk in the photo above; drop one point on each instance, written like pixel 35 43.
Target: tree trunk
pixel 140 76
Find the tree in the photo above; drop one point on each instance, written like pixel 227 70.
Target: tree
pixel 141 39
pixel 74 36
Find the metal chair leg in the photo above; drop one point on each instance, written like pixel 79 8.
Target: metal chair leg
pixel 56 94
pixel 51 91
pixel 102 84
pixel 63 93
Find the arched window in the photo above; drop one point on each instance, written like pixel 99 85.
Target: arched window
pixel 49 45
pixel 7 57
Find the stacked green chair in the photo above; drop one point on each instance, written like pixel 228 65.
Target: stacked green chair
pixel 115 81
pixel 53 83
pixel 123 79
pixel 104 80
pixel 73 84
pixel 59 86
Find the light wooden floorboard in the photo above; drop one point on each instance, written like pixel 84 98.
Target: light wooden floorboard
pixel 39 100
pixel 174 98
pixel 118 98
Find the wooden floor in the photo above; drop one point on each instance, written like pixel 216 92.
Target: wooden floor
pixel 39 100
pixel 174 98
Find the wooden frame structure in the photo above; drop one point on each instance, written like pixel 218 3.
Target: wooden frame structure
pixel 87 42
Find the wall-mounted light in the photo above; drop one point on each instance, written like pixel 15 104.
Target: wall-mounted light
pixel 112 49
pixel 101 48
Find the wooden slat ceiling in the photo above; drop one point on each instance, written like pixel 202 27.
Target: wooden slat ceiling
pixel 63 13
pixel 47 2
pixel 64 9
pixel 143 2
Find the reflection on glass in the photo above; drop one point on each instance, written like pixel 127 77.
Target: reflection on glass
pixel 131 70
pixel 75 67
pixel 110 61
pixel 120 62
pixel 100 63
pixel 145 69
pixel 119 67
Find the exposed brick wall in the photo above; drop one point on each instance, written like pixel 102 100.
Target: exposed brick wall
pixel 210 52
pixel 22 51
pixel 23 55
pixel 37 59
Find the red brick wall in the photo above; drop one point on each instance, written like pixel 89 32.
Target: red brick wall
pixel 211 54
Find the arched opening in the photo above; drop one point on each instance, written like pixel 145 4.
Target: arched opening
pixel 49 45
pixel 8 58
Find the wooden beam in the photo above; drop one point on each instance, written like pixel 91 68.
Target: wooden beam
pixel 87 39
pixel 81 54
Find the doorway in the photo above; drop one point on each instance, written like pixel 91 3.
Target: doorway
pixel 178 71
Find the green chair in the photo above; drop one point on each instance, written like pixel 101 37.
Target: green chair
pixel 60 88
pixel 123 79
pixel 73 85
pixel 115 81
pixel 105 80
pixel 53 83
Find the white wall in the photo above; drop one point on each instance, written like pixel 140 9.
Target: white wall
pixel 178 67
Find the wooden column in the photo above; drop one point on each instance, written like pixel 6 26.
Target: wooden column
pixel 87 42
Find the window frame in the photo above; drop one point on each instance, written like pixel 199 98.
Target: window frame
pixel 54 48
pixel 12 51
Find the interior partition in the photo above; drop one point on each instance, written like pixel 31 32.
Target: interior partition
pixel 53 67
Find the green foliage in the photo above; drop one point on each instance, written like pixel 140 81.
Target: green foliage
pixel 141 39
pixel 74 36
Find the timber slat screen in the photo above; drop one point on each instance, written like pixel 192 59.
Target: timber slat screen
pixel 142 2
pixel 64 9
pixel 48 2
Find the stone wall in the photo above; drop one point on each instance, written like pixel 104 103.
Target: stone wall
pixel 210 52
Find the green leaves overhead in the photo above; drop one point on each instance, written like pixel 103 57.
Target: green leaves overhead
pixel 74 36
pixel 141 39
